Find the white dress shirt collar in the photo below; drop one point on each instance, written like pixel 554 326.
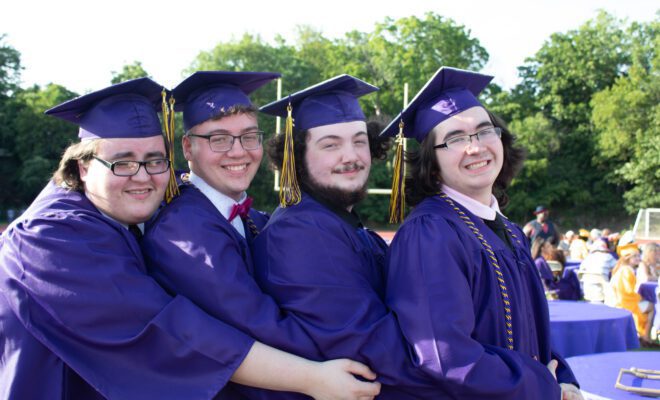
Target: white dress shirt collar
pixel 222 202
pixel 480 210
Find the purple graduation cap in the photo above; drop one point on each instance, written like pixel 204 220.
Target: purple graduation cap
pixel 448 92
pixel 329 102
pixel 204 94
pixel 124 110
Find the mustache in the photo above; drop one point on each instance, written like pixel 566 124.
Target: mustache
pixel 349 168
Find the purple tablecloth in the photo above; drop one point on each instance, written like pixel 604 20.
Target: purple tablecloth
pixel 647 290
pixel 584 328
pixel 597 373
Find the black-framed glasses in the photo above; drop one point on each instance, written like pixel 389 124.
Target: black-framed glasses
pixel 459 143
pixel 222 142
pixel 130 168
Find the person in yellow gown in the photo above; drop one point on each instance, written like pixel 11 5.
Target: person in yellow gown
pixel 624 287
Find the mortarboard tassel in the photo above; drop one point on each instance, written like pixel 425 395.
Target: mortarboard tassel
pixel 168 123
pixel 289 189
pixel 397 198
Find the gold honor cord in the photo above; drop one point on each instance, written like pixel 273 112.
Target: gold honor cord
pixel 168 124
pixel 498 271
pixel 398 196
pixel 289 189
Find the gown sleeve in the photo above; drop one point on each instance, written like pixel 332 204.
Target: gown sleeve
pixel 195 254
pixel 426 255
pixel 79 286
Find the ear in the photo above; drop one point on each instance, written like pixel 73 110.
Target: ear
pixel 82 170
pixel 186 144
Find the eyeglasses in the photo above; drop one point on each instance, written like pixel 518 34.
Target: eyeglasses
pixel 222 142
pixel 130 168
pixel 460 143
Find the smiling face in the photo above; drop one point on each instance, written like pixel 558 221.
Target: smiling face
pixel 229 172
pixel 337 156
pixel 471 171
pixel 127 199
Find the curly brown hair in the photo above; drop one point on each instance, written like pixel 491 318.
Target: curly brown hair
pixel 68 173
pixel 423 179
pixel 275 147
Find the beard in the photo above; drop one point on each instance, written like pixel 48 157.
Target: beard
pixel 335 196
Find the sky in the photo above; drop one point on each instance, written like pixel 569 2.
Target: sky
pixel 78 44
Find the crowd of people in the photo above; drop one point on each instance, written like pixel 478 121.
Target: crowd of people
pixel 611 269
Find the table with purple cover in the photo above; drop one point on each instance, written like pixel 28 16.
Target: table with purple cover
pixel 585 328
pixel 597 373
pixel 647 291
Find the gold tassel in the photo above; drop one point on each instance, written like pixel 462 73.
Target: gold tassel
pixel 398 197
pixel 168 123
pixel 289 189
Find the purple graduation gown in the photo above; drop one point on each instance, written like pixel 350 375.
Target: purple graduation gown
pixel 566 288
pixel 81 319
pixel 544 271
pixel 328 273
pixel 569 287
pixel 192 250
pixel 446 297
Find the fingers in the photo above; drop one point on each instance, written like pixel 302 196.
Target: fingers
pixel 570 392
pixel 367 390
pixel 360 369
pixel 552 367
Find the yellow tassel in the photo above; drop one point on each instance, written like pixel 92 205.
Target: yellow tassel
pixel 289 189
pixel 168 123
pixel 398 198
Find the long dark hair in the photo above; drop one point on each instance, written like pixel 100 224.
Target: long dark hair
pixel 536 249
pixel 423 179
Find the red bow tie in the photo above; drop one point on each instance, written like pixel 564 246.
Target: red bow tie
pixel 241 210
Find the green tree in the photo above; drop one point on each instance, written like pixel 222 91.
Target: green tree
pixel 10 69
pixel 128 72
pixel 626 118
pixel 39 140
pixel 533 185
pixel 563 76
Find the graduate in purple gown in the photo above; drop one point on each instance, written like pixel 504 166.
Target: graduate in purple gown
pixel 199 245
pixel 80 317
pixel 460 277
pixel 539 249
pixel 314 256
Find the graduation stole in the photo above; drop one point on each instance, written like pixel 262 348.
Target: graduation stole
pixel 493 262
